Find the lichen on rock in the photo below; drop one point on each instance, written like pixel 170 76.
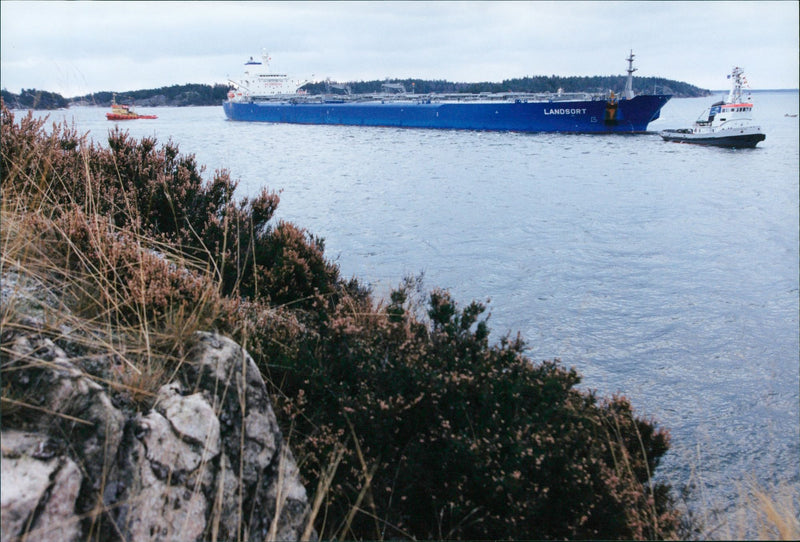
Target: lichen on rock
pixel 206 462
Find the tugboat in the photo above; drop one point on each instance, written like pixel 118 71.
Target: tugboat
pixel 725 124
pixel 124 112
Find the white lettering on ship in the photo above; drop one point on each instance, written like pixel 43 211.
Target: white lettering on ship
pixel 578 111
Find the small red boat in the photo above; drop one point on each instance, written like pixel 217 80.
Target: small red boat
pixel 125 112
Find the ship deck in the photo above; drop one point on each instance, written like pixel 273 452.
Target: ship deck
pixel 428 98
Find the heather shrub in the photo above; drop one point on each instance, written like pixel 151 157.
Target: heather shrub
pixel 161 194
pixel 406 418
pixel 95 288
pixel 463 439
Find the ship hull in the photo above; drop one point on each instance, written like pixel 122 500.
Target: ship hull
pixel 733 141
pixel 593 116
pixel 112 116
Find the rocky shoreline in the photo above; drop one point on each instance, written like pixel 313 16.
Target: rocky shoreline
pixel 206 461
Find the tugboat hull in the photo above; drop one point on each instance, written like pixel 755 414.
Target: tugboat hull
pixel 733 141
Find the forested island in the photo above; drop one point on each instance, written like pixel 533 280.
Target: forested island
pixel 199 94
pixel 34 99
pixel 532 84
pixel 173 96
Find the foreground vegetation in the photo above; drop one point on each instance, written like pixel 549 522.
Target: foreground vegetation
pixel 407 421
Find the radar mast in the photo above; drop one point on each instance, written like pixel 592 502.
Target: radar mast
pixel 629 83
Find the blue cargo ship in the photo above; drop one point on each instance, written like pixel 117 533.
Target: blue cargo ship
pixel 266 97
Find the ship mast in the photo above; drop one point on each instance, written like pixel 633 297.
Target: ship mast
pixel 629 83
pixel 737 80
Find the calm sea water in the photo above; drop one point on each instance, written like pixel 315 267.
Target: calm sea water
pixel 665 272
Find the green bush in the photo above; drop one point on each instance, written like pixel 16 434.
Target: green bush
pixel 446 434
pixel 470 440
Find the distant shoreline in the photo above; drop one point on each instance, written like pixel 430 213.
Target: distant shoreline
pixel 201 94
pixel 84 103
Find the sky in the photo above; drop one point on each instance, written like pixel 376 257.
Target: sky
pixel 75 48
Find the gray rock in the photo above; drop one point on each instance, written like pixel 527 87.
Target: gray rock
pixel 191 417
pixel 206 462
pixel 38 490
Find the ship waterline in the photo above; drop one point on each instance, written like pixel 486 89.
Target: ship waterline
pixel 593 116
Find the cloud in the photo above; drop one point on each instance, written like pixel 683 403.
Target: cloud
pixel 75 47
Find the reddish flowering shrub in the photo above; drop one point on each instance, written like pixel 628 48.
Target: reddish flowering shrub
pixel 474 441
pixel 446 435
pixel 161 193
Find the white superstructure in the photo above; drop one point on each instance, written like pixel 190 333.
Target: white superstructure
pixel 733 113
pixel 258 83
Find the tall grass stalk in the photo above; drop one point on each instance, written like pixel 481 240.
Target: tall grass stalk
pixel 125 303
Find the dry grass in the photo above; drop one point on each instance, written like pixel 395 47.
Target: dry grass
pixel 756 511
pixel 761 513
pixel 777 512
pixel 109 289
pixel 127 305
pixel 39 258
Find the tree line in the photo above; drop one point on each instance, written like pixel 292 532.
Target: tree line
pixel 34 99
pixel 199 94
pixel 175 96
pixel 532 84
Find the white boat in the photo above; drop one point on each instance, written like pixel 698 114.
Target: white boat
pixel 728 123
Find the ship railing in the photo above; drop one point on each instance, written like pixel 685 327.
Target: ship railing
pixel 736 123
pixel 519 97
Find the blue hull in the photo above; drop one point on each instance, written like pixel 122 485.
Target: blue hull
pixel 593 116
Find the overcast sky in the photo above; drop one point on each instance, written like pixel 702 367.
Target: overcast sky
pixel 74 48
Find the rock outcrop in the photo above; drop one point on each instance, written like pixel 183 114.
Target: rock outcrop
pixel 206 461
